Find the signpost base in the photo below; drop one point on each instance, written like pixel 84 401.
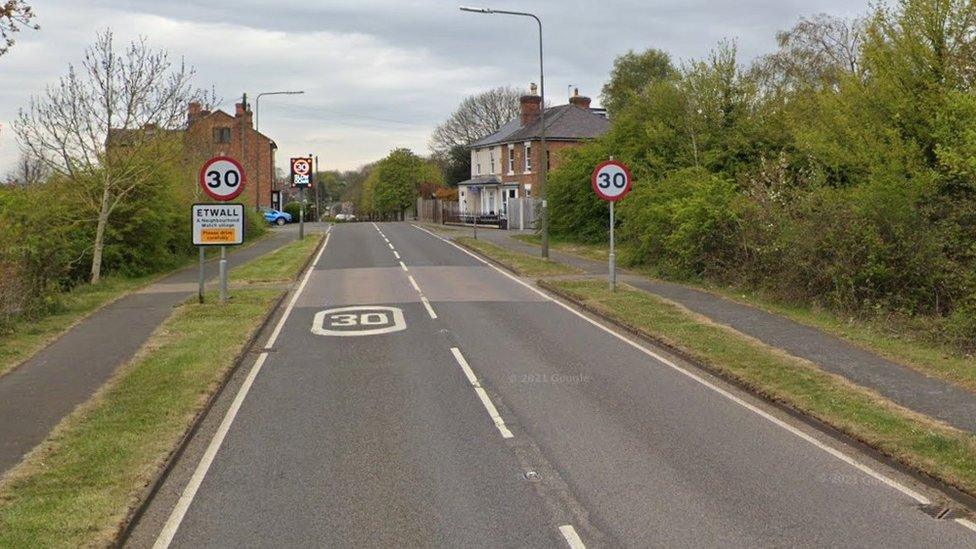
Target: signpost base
pixel 613 256
pixel 202 280
pixel 223 274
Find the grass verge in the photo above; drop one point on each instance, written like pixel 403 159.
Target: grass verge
pixel 522 264
pixel 899 342
pixel 79 486
pixel 281 265
pixel 913 439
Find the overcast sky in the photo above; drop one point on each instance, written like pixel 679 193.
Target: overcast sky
pixel 380 74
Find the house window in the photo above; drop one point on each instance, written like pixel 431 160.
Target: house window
pixel 221 135
pixel 528 157
pixel 491 158
pixel 511 159
pixel 479 169
pixel 528 191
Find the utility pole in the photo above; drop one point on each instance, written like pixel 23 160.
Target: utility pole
pixel 318 202
pixel 244 159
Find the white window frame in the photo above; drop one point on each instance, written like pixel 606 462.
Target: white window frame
pixel 511 159
pixel 527 148
pixel 491 159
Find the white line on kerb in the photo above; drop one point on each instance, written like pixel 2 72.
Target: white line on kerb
pixel 762 413
pixel 572 538
pixel 482 395
pixel 186 498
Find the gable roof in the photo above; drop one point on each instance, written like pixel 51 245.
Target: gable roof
pixel 565 122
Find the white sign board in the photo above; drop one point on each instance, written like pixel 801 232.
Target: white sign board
pixel 217 224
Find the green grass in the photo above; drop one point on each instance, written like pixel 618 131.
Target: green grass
pixel 27 337
pixel 281 265
pixel 78 487
pixel 913 439
pixel 906 342
pixel 523 264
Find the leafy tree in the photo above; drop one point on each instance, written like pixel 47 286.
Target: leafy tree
pixel 632 73
pixel 398 180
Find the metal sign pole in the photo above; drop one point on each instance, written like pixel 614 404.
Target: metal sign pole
pixel 301 215
pixel 202 278
pixel 223 274
pixel 613 256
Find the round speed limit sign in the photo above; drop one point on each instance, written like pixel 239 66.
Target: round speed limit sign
pixel 611 180
pixel 222 178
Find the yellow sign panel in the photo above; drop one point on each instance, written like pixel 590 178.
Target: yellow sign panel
pixel 218 236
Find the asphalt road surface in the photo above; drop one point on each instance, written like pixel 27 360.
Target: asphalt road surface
pixel 416 396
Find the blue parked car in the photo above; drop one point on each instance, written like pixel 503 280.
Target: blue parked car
pixel 276 217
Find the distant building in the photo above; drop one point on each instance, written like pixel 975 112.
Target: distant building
pixel 505 164
pixel 217 133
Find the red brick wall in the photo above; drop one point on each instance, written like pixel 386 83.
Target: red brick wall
pixel 247 146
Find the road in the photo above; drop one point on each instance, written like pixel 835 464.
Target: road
pixel 495 416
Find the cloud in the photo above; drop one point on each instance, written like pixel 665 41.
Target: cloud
pixel 379 74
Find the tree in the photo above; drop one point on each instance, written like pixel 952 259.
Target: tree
pixel 477 116
pixel 817 52
pixel 398 179
pixel 14 14
pixel 100 122
pixel 28 171
pixel 631 74
pixel 455 164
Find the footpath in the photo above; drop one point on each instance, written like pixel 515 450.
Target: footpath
pixel 912 389
pixel 36 395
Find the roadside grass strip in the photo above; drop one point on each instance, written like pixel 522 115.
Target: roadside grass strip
pixel 27 337
pixel 281 265
pixel 905 341
pixel 79 486
pixel 916 440
pixel 522 264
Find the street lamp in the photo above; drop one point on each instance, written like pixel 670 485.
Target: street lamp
pixel 542 90
pixel 257 128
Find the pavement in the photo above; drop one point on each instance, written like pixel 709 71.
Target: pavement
pixel 39 393
pixel 456 405
pixel 910 388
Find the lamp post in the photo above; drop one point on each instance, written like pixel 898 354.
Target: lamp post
pixel 257 128
pixel 542 116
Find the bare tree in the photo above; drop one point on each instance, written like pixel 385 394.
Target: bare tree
pixel 477 116
pixel 816 52
pixel 29 170
pixel 108 124
pixel 14 14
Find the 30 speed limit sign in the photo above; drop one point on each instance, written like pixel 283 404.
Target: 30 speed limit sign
pixel 222 178
pixel 611 180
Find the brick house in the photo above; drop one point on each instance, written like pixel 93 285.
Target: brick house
pixel 504 164
pixel 217 133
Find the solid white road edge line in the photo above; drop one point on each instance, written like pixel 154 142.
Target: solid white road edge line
pixel 572 538
pixel 186 498
pixel 482 395
pixel 966 524
pixel 762 413
pixel 430 310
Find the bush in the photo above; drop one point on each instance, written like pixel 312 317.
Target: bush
pixel 575 212
pixel 293 209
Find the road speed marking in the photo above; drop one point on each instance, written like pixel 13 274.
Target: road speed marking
pixel 360 320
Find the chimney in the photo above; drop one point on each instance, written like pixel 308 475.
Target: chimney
pixel 530 106
pixel 580 101
pixel 193 111
pixel 245 114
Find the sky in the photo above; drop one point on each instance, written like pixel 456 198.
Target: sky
pixel 381 74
